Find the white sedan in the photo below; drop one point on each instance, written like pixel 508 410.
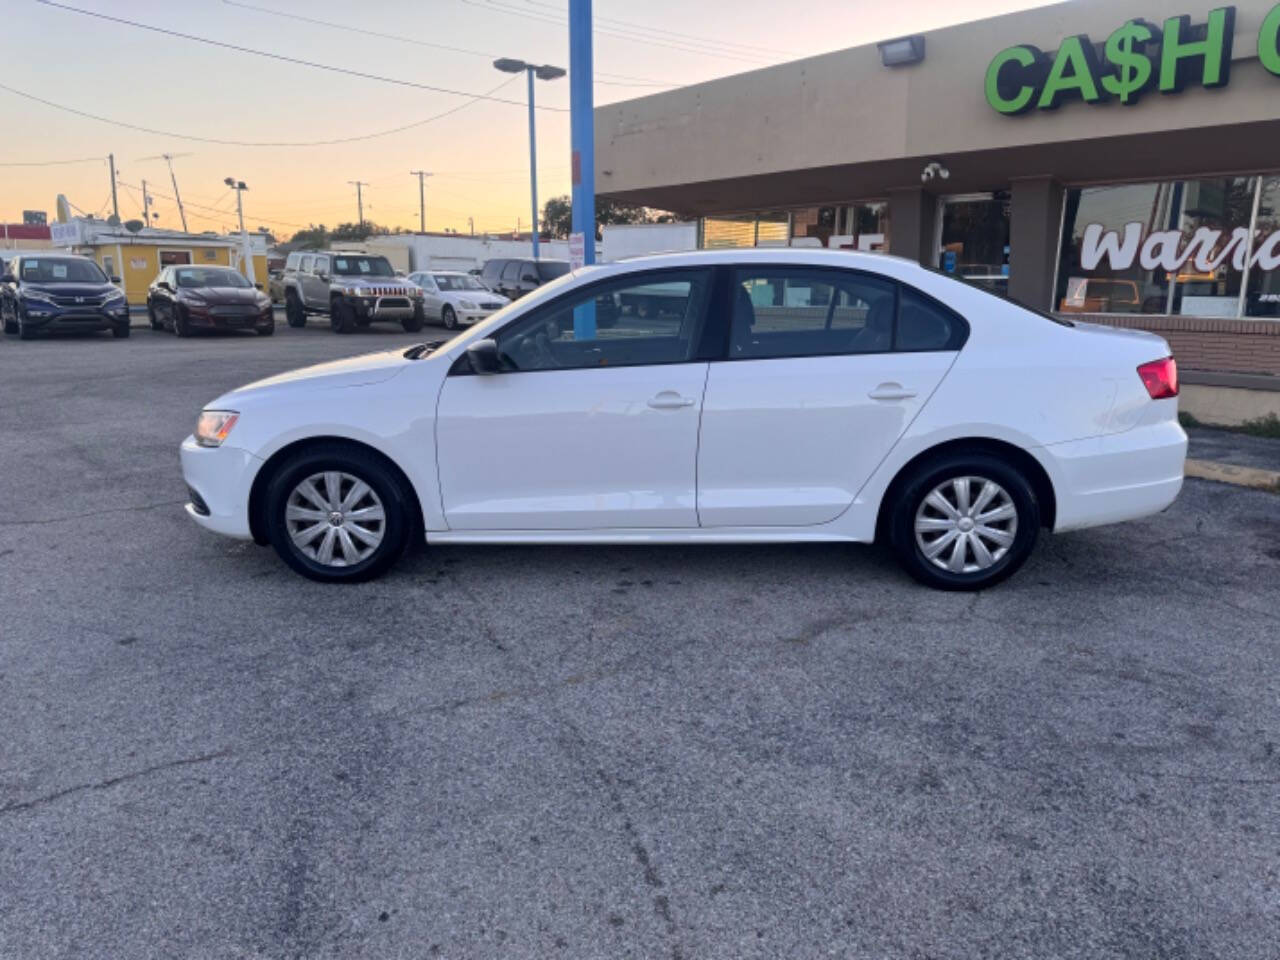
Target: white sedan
pixel 456 299
pixel 712 397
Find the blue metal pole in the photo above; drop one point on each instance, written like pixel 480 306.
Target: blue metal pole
pixel 583 143
pixel 533 163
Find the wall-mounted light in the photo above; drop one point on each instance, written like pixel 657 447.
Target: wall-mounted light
pixel 902 51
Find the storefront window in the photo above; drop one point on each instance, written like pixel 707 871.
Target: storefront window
pixel 858 226
pixel 1263 298
pixel 738 230
pixel 1178 247
pixel 975 240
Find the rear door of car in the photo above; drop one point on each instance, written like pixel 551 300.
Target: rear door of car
pixel 825 369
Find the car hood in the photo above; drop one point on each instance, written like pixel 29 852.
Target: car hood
pixel 475 296
pixel 226 295
pixel 351 372
pixel 70 289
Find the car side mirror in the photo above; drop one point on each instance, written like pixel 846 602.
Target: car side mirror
pixel 114 279
pixel 323 276
pixel 484 357
pixel 164 285
pixel 257 286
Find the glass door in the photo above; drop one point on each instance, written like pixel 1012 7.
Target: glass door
pixel 973 238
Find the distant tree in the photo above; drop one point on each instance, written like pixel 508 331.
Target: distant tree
pixel 313 238
pixel 357 231
pixel 557 215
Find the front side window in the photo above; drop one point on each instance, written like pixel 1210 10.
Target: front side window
pixel 291 262
pixel 801 312
pixel 550 270
pixel 511 273
pixel 651 319
pixel 320 266
pixel 307 263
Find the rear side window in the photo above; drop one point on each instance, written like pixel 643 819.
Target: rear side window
pixel 925 325
pixel 801 312
pixel 492 269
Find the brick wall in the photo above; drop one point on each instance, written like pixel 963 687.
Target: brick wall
pixel 1210 343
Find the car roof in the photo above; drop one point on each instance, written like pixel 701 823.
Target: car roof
pixel 880 263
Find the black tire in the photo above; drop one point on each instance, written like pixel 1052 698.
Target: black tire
pixel 399 525
pixel 293 312
pixel 156 323
pixel 449 318
pixel 181 322
pixel 949 468
pixel 25 332
pixel 416 322
pixel 120 331
pixel 11 321
pixel 342 318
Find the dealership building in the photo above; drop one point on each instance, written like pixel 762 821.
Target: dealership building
pixel 1111 159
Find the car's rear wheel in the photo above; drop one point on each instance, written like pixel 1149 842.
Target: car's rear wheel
pixel 449 318
pixel 342 318
pixel 293 312
pixel 964 521
pixel 338 515
pixel 416 322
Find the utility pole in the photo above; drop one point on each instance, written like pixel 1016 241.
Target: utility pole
pixel 168 157
pixel 146 205
pixel 359 198
pixel 115 205
pixel 422 199
pixel 246 251
pixel 471 225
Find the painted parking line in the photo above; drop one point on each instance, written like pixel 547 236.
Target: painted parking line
pixel 1237 476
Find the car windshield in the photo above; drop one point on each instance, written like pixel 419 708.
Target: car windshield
pixel 457 281
pixel 550 269
pixel 66 270
pixel 357 266
pixel 197 277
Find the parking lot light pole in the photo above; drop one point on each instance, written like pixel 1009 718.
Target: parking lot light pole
pixel 543 72
pixel 245 251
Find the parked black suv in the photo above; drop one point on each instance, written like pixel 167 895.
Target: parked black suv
pixel 514 278
pixel 60 292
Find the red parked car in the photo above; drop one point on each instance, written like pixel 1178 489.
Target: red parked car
pixel 184 299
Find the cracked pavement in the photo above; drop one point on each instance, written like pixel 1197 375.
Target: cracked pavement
pixel 605 752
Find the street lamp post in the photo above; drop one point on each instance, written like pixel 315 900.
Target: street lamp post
pixel 543 72
pixel 245 250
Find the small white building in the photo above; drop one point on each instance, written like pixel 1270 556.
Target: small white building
pixel 415 251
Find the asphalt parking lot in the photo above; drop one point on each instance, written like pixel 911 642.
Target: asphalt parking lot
pixel 604 752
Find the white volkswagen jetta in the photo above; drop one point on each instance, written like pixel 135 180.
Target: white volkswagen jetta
pixel 713 397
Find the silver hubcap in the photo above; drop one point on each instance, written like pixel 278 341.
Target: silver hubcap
pixel 335 518
pixel 966 525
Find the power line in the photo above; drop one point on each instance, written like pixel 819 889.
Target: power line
pixel 53 163
pixel 632 25
pixel 251 143
pixel 347 28
pixel 294 60
pixel 685 46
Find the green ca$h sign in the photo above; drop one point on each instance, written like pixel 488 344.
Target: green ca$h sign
pixel 1138 57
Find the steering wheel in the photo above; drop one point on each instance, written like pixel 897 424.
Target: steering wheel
pixel 532 351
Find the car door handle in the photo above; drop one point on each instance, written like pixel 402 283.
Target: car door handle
pixel 891 391
pixel 670 400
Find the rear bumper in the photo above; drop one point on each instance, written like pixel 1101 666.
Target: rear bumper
pixel 1117 477
pixel 220 479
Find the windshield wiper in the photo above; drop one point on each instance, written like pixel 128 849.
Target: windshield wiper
pixel 419 350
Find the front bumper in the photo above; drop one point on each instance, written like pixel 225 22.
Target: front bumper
pixel 48 316
pixel 220 479
pixel 467 317
pixel 383 308
pixel 1120 476
pixel 208 320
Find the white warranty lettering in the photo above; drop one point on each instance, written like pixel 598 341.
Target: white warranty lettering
pixel 1164 250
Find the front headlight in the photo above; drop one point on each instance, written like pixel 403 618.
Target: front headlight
pixel 466 304
pixel 114 296
pixel 40 295
pixel 214 425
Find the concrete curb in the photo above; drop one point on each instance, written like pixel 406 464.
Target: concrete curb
pixel 1252 477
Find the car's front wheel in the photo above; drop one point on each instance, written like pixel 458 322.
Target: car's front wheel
pixel 415 323
pixel 338 515
pixel 156 322
pixel 293 311
pixel 342 318
pixel 964 521
pixel 449 318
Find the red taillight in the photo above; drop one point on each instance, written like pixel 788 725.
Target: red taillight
pixel 1160 377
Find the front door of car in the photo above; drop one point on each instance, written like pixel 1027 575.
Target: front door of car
pixel 592 422
pixel 315 284
pixel 826 369
pixel 432 303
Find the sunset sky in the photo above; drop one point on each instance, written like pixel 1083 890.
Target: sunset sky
pixel 479 154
